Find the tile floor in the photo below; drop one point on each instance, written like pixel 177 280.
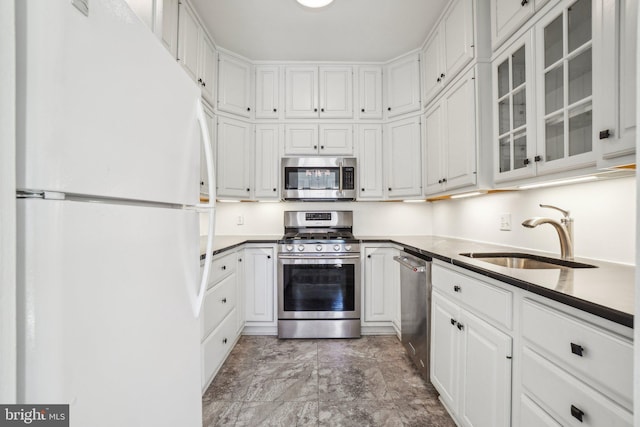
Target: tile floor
pixel 362 382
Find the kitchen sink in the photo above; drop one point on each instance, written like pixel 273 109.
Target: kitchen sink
pixel 525 261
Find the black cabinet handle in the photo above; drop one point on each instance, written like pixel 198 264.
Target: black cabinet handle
pixel 453 321
pixel 577 349
pixel 460 326
pixel 438 79
pixel 523 2
pixel 204 84
pixel 201 182
pixel 224 267
pixel 224 300
pixel 239 259
pixel 439 181
pixel 604 134
pixel 444 180
pixel 537 158
pixel 200 81
pixel 526 162
pixel 362 110
pixel 442 76
pixel 577 413
pixel 224 341
pixel 457 288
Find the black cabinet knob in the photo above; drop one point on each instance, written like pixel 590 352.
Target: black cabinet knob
pixel 201 182
pixel 577 349
pixel 604 134
pixel 526 162
pixel 204 84
pixel 322 147
pixel 268 256
pixel 389 188
pixel 224 341
pixel 239 259
pixel 224 267
pixel 315 110
pixel 457 288
pixel 460 326
pixel 442 76
pixel 275 190
pixel 200 81
pixel 537 158
pixel 439 181
pixel 248 189
pixel 224 300
pixel 362 110
pixel 438 79
pixel 453 321
pixel 362 189
pixel 577 413
pixel 444 180
pixel 388 108
pixel 275 110
pixel 248 108
pixel 524 2
pixel 368 256
pixel 322 110
pixel 315 147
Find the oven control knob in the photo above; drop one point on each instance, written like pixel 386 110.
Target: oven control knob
pixel 289 248
pixel 318 248
pixel 347 248
pixel 336 248
pixel 301 248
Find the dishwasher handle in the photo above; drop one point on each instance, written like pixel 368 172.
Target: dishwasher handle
pixel 404 261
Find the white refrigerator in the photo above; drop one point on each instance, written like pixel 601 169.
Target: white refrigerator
pixel 108 152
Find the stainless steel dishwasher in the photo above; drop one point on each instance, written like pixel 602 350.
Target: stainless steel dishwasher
pixel 415 294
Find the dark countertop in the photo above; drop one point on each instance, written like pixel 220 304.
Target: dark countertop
pixel 606 291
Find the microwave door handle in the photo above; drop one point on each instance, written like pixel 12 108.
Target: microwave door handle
pixel 340 178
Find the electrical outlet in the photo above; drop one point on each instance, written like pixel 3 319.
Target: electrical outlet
pixel 240 220
pixel 505 222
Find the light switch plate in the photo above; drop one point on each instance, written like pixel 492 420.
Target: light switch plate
pixel 505 222
pixel 240 220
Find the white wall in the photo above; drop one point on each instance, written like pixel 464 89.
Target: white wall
pixel 370 219
pixel 604 216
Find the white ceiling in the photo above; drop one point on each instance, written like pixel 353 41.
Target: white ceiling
pixel 346 30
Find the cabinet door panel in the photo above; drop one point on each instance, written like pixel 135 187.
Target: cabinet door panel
pixel 433 145
pixel 380 284
pixel 234 148
pixel 234 86
pixel 404 177
pixel 458 37
pixel 431 64
pixel 506 18
pixel 267 161
pixel 302 92
pixel 207 69
pixel 461 133
pixel 403 86
pixel 301 139
pixel 531 415
pixel 370 93
pixel 188 41
pixel 169 30
pixel 336 92
pixel 267 92
pixel 444 349
pixel 336 139
pixel 259 284
pixel 370 164
pixel 486 379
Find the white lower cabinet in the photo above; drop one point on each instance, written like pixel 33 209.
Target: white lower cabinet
pixel 470 365
pixel 381 293
pixel 260 286
pixel 219 315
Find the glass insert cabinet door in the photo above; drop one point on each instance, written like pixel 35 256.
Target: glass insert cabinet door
pixel 565 90
pixel 513 111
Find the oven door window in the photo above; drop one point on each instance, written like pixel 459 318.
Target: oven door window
pixel 326 287
pixel 301 178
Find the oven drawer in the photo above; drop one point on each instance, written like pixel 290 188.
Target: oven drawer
pixel 566 398
pixel 593 354
pixel 483 298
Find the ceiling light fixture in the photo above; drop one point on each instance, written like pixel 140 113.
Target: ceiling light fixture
pixel 314 3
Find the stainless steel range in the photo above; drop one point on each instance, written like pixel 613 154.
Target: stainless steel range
pixel 318 276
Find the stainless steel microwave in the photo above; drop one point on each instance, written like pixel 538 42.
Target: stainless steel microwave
pixel 319 178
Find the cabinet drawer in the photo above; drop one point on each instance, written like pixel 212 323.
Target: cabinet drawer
pixel 483 298
pixel 218 302
pixel 216 347
pixel 531 415
pixel 606 361
pixel 221 268
pixel 566 398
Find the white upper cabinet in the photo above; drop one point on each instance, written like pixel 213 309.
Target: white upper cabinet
pixel 234 85
pixel 507 16
pixel 370 92
pixel 513 111
pixel 168 31
pixel 370 162
pixel 402 81
pixel 325 92
pixel 324 139
pixel 234 165
pixel 449 48
pixel 188 40
pixel 565 90
pixel 267 92
pixel 615 72
pixel 403 161
pixel 450 133
pixel 207 69
pixel 267 161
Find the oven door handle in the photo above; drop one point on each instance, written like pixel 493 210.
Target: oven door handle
pixel 311 258
pixel 340 179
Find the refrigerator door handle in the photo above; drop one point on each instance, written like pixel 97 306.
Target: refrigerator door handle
pixel 206 207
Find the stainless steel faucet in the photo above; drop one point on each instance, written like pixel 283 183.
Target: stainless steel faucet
pixel 564 229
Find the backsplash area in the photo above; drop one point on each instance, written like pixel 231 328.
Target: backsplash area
pixel 604 216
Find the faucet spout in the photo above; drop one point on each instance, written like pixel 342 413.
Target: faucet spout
pixel 566 241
